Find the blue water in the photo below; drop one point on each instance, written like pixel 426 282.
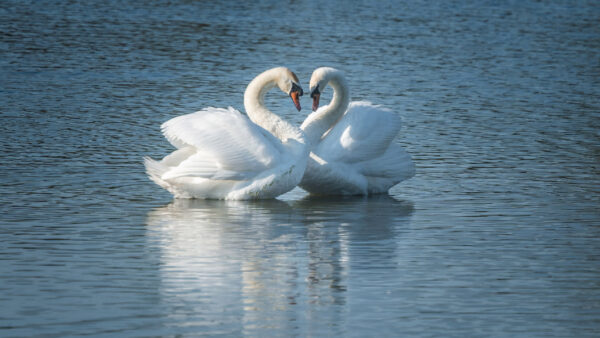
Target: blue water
pixel 498 234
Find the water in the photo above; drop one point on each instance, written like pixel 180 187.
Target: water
pixel 498 234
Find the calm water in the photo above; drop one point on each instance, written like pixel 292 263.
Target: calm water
pixel 498 234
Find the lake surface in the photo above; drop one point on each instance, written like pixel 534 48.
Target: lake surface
pixel 498 234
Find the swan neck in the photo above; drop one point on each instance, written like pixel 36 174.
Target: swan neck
pixel 254 96
pixel 254 103
pixel 340 100
pixel 323 119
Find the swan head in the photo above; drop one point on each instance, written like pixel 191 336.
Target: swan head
pixel 288 82
pixel 318 81
pixel 315 94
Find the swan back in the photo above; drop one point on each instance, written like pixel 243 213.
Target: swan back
pixel 364 132
pixel 228 145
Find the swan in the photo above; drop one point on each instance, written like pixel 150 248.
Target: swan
pixel 221 154
pixel 352 144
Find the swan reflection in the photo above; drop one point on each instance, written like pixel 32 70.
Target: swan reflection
pixel 270 263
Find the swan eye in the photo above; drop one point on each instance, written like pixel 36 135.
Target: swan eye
pixel 315 92
pixel 296 88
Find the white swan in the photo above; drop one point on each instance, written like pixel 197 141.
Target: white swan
pixel 223 155
pixel 353 151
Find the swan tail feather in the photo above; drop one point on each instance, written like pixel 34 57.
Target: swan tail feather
pixel 393 167
pixel 155 170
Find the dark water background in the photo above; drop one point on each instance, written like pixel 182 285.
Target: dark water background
pixel 498 234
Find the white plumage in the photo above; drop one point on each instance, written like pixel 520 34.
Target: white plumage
pixel 221 154
pixel 353 150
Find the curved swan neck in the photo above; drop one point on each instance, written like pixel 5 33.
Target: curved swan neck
pixel 254 103
pixel 254 96
pixel 317 123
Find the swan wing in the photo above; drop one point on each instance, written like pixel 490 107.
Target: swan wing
pixel 228 145
pixel 395 164
pixel 364 132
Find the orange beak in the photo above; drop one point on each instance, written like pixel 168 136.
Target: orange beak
pixel 296 99
pixel 315 105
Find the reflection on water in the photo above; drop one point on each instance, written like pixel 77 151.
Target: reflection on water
pixel 499 102
pixel 273 265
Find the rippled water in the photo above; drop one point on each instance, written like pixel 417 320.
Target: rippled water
pixel 498 234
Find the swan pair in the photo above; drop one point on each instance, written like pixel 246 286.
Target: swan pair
pixel 341 149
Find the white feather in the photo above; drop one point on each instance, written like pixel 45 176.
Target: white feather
pixel 226 138
pixel 365 131
pixel 358 154
pixel 221 154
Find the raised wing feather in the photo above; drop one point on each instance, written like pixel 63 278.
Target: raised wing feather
pixel 395 163
pixel 226 141
pixel 203 165
pixel 364 132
